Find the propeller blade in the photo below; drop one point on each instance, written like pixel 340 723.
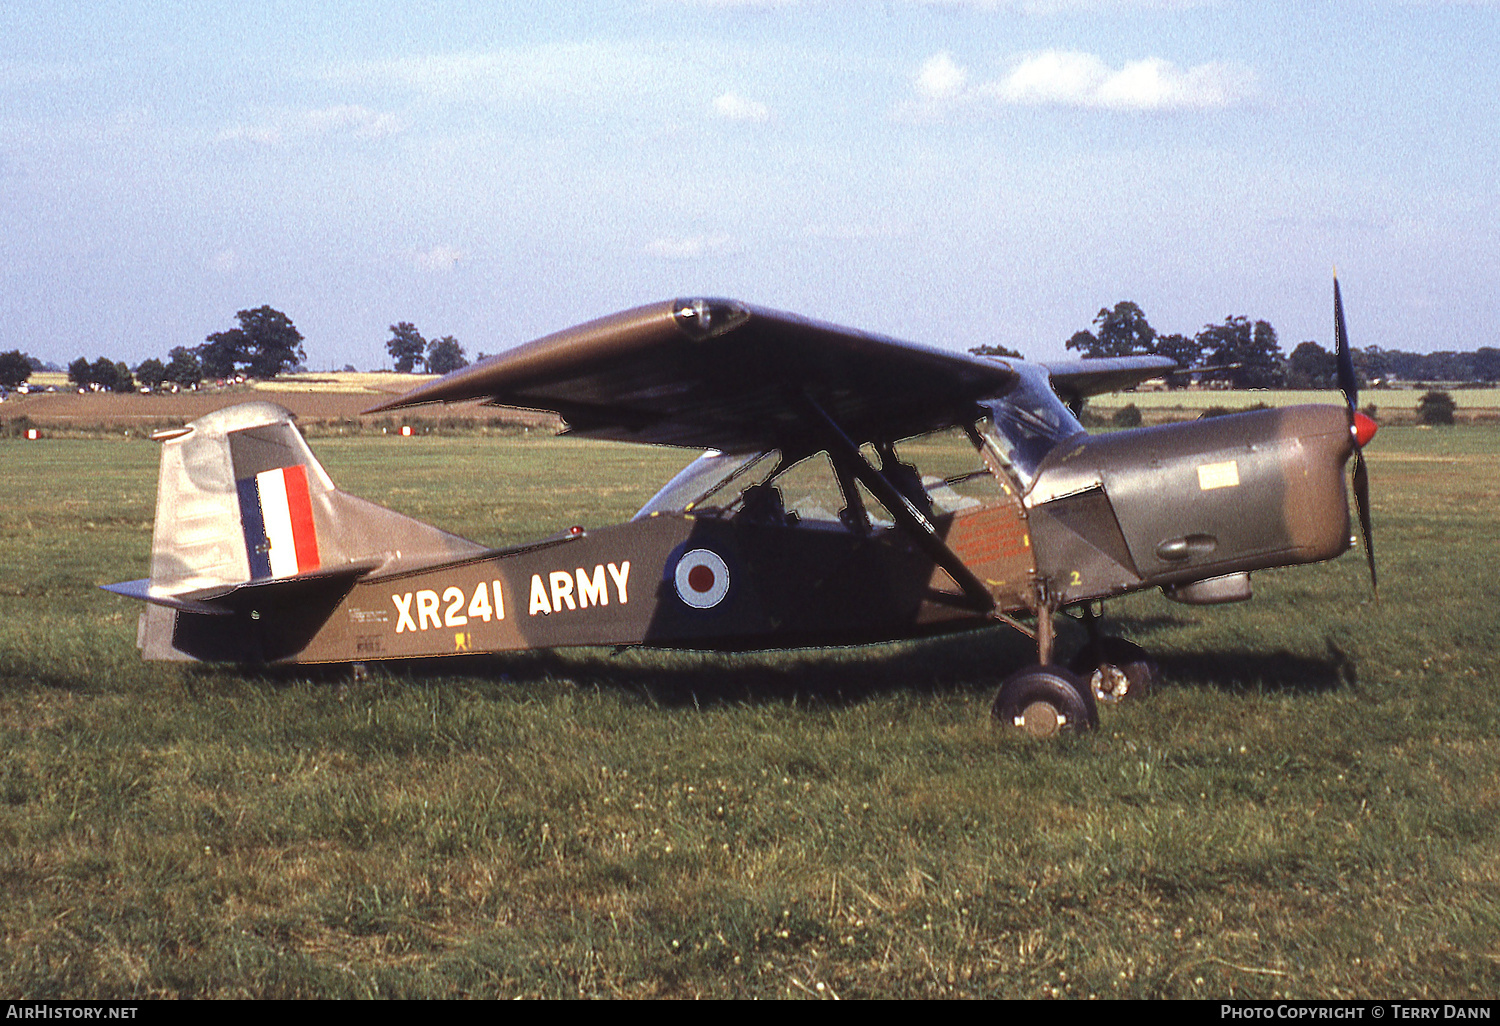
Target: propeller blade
pixel 1348 380
pixel 1362 503
pixel 1361 428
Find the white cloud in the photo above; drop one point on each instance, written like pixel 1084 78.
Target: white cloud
pixel 347 120
pixel 734 3
pixel 225 261
pixel 690 248
pixel 1071 79
pixel 507 74
pixel 360 122
pixel 261 135
pixel 1065 78
pixel 1060 6
pixel 941 78
pixel 438 258
pixel 1025 6
pixel 734 107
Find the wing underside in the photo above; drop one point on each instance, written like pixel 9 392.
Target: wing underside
pixel 1076 380
pixel 723 375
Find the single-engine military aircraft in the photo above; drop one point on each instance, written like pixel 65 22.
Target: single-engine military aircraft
pixel 800 526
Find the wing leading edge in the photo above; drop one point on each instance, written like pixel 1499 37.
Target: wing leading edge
pixel 712 373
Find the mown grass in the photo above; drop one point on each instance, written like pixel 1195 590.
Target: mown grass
pixel 1306 810
pixel 1404 399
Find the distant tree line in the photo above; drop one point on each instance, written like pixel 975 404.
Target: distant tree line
pixel 265 344
pixel 408 348
pixel 15 368
pixel 1248 354
pixel 1377 364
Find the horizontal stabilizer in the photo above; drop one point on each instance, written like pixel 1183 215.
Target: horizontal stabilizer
pixel 248 521
pixel 225 601
pixel 141 589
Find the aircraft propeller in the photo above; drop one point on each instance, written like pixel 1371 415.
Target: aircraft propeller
pixel 1361 427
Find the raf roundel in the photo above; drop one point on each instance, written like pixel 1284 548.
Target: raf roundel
pixel 702 579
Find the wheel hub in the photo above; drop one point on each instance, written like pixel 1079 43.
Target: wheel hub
pixel 1109 683
pixel 1041 720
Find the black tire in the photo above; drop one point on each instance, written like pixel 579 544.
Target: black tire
pixel 1044 701
pixel 1116 670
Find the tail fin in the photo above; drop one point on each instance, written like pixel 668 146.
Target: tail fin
pixel 242 502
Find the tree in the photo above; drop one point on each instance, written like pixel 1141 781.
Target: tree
pixel 222 352
pixel 15 367
pixel 183 368
pixel 1435 408
pixel 445 355
pixel 275 343
pixel 1252 349
pixel 1185 351
pixel 1311 366
pixel 994 350
pixel 1123 331
pixel 104 372
pixel 1371 365
pixel 266 343
pixel 406 346
pixel 78 373
pixel 151 373
pixel 124 381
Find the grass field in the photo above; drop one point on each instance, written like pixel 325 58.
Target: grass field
pixel 1389 406
pixel 1308 808
pixel 1392 399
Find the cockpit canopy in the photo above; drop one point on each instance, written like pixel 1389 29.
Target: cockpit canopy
pixel 1018 430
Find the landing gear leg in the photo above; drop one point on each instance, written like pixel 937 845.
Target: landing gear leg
pixel 1045 634
pixel 1044 700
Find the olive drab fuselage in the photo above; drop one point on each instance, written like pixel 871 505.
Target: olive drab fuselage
pixel 1103 515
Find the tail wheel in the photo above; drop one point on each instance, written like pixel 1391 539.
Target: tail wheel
pixel 1115 670
pixel 1044 701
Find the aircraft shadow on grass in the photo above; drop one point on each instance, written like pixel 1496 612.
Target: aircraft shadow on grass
pixel 831 677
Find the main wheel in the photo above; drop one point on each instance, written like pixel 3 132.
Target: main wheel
pixel 1044 701
pixel 1116 670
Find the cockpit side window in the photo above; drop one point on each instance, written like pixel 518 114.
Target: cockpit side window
pixel 954 475
pixel 711 483
pixel 758 488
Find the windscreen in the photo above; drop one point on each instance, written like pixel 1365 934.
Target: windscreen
pixel 1028 423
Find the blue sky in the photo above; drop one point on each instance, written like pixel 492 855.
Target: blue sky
pixel 948 171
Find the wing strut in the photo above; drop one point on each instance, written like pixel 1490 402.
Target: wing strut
pixel 847 458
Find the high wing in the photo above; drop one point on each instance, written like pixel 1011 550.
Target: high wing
pixel 1076 380
pixel 713 373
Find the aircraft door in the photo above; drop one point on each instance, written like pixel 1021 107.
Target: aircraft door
pixel 978 512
